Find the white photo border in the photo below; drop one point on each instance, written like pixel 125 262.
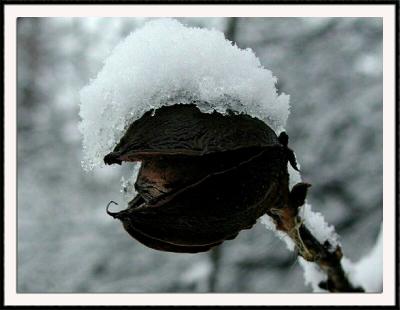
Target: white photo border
pixel 387 12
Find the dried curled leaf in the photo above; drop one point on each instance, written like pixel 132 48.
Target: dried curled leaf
pixel 204 177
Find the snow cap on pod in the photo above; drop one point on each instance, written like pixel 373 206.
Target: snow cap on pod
pixel 164 63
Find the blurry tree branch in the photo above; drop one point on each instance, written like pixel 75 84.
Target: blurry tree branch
pixel 267 262
pixel 295 40
pixel 29 51
pixel 215 256
pixel 231 27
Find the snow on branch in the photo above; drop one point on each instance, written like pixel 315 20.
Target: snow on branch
pixel 321 257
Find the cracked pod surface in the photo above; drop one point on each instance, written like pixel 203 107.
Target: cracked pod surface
pixel 204 177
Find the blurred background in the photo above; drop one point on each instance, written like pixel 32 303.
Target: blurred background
pixel 331 68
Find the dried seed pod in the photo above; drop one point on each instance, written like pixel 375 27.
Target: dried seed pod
pixel 204 177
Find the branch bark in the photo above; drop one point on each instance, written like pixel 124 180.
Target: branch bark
pixel 308 247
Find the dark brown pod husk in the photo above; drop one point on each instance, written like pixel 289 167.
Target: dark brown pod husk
pixel 204 177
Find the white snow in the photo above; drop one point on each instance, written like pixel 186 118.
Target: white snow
pixel 270 225
pixel 314 221
pixel 165 63
pixel 313 275
pixel 128 185
pixel 316 224
pixel 368 271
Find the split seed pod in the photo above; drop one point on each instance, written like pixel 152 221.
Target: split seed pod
pixel 203 178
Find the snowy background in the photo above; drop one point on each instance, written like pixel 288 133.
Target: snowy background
pixel 331 68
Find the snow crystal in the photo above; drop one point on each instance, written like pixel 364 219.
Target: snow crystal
pixel 165 63
pixel 316 224
pixel 269 223
pixel 368 272
pixel 128 186
pixel 313 275
pixel 314 221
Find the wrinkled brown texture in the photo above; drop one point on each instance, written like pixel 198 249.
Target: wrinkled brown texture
pixel 204 177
